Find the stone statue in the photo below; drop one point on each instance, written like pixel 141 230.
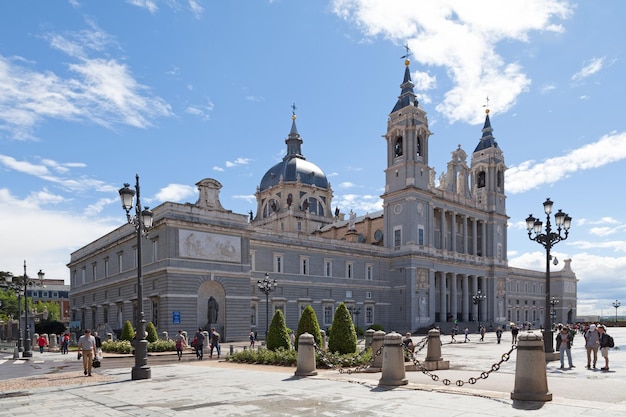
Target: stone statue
pixel 213 310
pixel 352 220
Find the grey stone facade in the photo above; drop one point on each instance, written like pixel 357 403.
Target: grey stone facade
pixel 418 262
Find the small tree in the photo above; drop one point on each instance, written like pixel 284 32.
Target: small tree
pixel 127 331
pixel 277 335
pixel 343 336
pixel 308 324
pixel 152 333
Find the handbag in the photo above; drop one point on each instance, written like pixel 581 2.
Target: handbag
pixel 96 363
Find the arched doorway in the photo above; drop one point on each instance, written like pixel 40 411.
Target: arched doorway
pixel 211 306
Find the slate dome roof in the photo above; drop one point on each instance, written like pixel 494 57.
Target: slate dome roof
pixel 294 166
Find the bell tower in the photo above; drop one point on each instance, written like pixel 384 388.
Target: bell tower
pixel 408 178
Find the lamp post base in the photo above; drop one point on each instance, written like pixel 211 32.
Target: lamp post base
pixel 142 372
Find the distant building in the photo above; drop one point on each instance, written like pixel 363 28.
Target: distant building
pixel 54 290
pixel 419 261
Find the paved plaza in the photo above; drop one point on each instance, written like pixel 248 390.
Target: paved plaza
pixel 220 388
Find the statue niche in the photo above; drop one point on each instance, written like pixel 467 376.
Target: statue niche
pixel 212 312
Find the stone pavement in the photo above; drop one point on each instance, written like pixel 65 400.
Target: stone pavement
pixel 225 389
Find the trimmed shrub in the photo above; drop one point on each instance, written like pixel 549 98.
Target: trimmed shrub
pixel 119 346
pixel 308 324
pixel 343 337
pixel 277 336
pixel 152 333
pixel 127 331
pixel 161 346
pixel 376 327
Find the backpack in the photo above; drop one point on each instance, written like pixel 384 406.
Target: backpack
pixel 610 341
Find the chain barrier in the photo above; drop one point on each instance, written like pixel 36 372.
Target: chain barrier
pixel 459 383
pixel 323 355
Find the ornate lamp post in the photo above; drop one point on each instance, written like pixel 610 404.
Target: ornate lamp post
pixel 616 304
pixel 21 285
pixel 477 299
pixel 548 240
pixel 142 220
pixel 355 311
pixel 553 302
pixel 266 285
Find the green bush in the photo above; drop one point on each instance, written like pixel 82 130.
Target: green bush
pixel 308 324
pixel 152 333
pixel 262 356
pixel 124 346
pixel 277 335
pixel 127 331
pixel 162 346
pixel 119 346
pixel 376 327
pixel 282 357
pixel 343 337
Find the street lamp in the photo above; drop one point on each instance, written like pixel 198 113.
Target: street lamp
pixel 142 220
pixel 477 299
pixel 553 302
pixel 355 311
pixel 547 240
pixel 266 285
pixel 20 285
pixel 616 304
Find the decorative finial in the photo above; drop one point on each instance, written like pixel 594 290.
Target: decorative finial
pixel 486 105
pixel 293 111
pixel 406 56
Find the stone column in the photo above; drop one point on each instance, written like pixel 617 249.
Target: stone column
pixel 306 355
pixel 453 296
pixel 443 312
pixel 394 373
pixel 377 343
pixel 465 298
pixel 531 383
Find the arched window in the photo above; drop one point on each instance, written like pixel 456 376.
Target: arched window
pixel 418 147
pixel 481 179
pixel 398 147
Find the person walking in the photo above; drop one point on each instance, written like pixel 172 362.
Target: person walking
pixel 199 339
pixel 564 343
pixel 87 349
pixel 251 340
pixel 514 333
pixel 592 343
pixel 604 346
pixel 65 344
pixel 98 346
pixel 499 334
pixel 467 339
pixel 482 333
pixel 42 343
pixel 179 339
pixel 453 332
pixel 215 343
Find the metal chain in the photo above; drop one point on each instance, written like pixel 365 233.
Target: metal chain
pixel 459 383
pixel 324 357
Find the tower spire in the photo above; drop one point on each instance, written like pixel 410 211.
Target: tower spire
pixel 293 141
pixel 407 95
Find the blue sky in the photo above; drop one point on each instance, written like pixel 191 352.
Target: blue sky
pixel 177 91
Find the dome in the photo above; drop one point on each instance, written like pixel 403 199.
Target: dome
pixel 292 170
pixel 294 167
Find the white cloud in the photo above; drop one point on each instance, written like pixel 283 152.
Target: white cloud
pixel 175 193
pixel 347 184
pixel 149 5
pixel 432 30
pixel 216 168
pixel 590 68
pixel 102 91
pixel 237 162
pixel 530 174
pixel 358 203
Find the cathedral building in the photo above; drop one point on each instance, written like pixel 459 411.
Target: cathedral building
pixel 421 261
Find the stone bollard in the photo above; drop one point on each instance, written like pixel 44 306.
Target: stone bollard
pixel 393 361
pixel 369 335
pixel 323 347
pixel 306 355
pixel 377 343
pixel 434 360
pixel 232 349
pixel 165 335
pixel 110 337
pixel 531 383
pixel 53 344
